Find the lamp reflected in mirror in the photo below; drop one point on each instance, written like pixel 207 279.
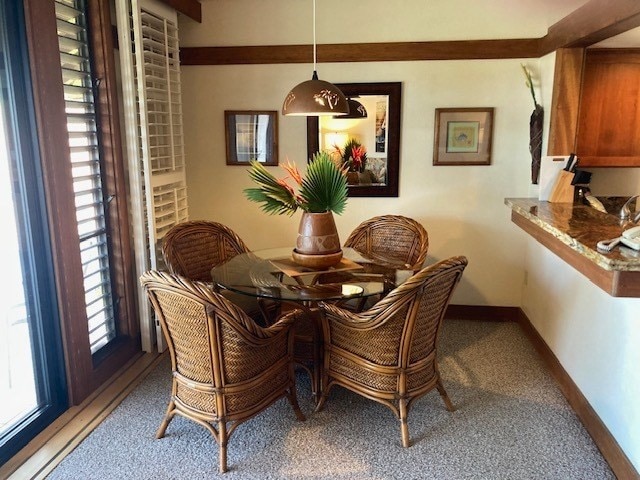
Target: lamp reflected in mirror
pixel 356 110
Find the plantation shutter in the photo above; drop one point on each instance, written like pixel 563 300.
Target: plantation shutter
pixel 79 96
pixel 154 134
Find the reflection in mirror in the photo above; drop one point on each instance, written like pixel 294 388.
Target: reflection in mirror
pixel 367 147
pixel 359 145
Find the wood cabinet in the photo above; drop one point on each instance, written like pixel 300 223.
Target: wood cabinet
pixel 595 109
pixel 609 118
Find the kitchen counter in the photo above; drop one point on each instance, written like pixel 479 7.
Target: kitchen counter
pixel 571 231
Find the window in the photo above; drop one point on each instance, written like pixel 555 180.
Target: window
pixel 32 380
pixel 73 74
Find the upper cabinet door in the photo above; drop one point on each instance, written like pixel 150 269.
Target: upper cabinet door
pixel 609 119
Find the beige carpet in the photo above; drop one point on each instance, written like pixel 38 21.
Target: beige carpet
pixel 511 423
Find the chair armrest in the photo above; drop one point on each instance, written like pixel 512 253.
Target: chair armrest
pixel 344 317
pixel 284 322
pixel 257 336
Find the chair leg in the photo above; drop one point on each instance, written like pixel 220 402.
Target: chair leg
pixel 293 400
pixel 445 397
pixel 404 427
pixel 166 420
pixel 321 400
pixel 323 395
pixel 222 435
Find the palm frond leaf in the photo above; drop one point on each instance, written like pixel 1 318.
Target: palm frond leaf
pixel 324 187
pixel 274 195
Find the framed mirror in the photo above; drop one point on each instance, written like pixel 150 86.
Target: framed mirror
pixel 369 146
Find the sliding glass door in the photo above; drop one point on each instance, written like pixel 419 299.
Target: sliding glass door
pixel 32 377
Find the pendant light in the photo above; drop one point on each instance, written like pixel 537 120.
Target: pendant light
pixel 315 97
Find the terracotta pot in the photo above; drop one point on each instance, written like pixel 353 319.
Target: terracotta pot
pixel 317 234
pixel 353 178
pixel 365 177
pixel 318 245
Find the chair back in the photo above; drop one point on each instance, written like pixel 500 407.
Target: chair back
pixel 391 236
pixel 408 319
pixel 191 249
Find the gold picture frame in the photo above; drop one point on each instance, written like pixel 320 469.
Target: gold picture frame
pixel 463 136
pixel 251 135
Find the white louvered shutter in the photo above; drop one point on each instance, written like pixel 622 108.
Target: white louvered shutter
pixel 154 133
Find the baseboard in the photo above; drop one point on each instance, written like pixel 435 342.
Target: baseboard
pixel 483 312
pixel 606 443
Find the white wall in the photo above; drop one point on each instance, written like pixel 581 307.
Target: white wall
pixel 461 207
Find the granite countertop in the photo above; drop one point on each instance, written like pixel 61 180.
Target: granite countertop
pixel 580 227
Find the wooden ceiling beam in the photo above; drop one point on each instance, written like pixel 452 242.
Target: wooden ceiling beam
pixel 362 52
pixel 595 21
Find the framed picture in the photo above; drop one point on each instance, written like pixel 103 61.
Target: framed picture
pixel 251 135
pixel 463 136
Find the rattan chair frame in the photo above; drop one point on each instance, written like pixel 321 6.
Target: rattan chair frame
pixel 391 237
pixel 226 368
pixel 191 249
pixel 388 353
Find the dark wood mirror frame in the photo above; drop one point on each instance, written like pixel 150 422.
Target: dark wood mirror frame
pixel 394 91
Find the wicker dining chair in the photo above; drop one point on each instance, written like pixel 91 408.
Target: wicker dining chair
pixel 393 237
pixel 226 368
pixel 388 353
pixel 191 249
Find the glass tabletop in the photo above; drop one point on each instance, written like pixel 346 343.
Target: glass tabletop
pixel 272 274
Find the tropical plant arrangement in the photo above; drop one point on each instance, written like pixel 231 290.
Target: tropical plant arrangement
pixel 322 189
pixel 353 155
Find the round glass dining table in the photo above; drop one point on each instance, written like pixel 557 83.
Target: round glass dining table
pixel 273 274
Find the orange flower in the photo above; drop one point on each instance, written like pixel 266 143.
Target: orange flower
pixel 292 170
pixel 285 185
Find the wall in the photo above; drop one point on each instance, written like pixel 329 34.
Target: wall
pixel 455 204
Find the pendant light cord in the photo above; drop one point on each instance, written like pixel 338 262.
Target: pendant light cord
pixel 314 35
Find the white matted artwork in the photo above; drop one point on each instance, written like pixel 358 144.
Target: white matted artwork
pixel 463 136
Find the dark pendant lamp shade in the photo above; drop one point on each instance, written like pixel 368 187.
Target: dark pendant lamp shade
pixel 315 97
pixel 356 110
